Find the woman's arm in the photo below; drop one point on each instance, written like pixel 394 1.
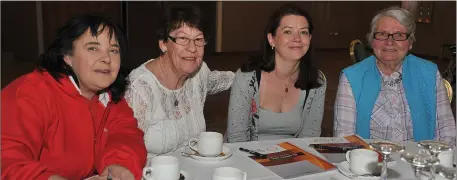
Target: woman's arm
pixel 445 122
pixel 238 126
pixel 312 123
pixel 140 98
pixel 345 110
pixel 25 120
pixel 218 80
pixel 125 144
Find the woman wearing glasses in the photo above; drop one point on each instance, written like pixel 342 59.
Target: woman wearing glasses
pixel 167 94
pixel 393 95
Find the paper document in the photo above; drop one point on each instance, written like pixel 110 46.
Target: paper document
pixel 289 161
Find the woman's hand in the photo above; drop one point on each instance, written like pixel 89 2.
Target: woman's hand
pixel 56 177
pixel 116 172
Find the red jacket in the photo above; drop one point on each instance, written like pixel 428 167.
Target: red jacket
pixel 48 128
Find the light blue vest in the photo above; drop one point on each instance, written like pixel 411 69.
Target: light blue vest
pixel 419 82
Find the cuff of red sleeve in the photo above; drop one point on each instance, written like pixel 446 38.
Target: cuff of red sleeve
pixel 124 161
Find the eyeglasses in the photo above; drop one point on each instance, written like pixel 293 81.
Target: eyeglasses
pixel 185 41
pixel 382 36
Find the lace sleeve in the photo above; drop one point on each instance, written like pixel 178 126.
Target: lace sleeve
pixel 138 95
pixel 218 80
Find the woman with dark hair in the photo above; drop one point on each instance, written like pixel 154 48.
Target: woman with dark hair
pixel 280 95
pixel 67 119
pixel 168 93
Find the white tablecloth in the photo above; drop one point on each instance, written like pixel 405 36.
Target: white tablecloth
pixel 200 170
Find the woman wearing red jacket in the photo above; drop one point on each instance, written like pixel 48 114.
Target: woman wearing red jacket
pixel 68 119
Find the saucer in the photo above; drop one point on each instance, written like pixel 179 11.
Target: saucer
pixel 183 173
pixel 438 176
pixel 226 153
pixel 426 176
pixel 186 175
pixel 344 169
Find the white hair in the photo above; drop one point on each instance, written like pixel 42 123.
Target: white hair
pixel 401 15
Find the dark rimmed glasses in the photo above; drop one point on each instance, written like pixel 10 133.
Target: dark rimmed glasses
pixel 382 36
pixel 183 41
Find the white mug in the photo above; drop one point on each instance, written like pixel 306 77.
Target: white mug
pixel 162 168
pixel 362 161
pixel 229 173
pixel 446 158
pixel 207 144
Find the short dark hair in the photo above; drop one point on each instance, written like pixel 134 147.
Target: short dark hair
pixel 308 75
pixel 52 60
pixel 178 15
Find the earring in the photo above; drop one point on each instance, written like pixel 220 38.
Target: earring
pixel 272 47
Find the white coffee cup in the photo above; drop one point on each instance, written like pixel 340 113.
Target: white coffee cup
pixel 229 173
pixel 446 158
pixel 162 168
pixel 207 144
pixel 362 161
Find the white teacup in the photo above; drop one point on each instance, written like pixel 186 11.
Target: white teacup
pixel 229 173
pixel 446 158
pixel 162 168
pixel 207 144
pixel 362 161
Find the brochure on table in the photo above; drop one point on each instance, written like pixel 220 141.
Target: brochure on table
pixel 289 161
pixel 334 149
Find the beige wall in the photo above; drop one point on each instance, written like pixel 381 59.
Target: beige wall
pixel 244 22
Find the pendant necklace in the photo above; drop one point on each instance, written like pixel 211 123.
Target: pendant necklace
pixel 176 102
pixel 286 89
pixel 176 98
pixel 392 82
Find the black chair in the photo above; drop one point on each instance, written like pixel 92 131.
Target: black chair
pixel 444 46
pixel 358 51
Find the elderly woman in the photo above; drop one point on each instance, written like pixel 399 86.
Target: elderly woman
pixel 280 95
pixel 393 95
pixel 67 119
pixel 168 93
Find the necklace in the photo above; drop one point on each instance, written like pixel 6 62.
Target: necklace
pixel 176 102
pixel 286 88
pixel 392 82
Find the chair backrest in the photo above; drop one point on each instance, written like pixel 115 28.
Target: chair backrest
pixel 358 51
pixel 323 76
pixel 452 48
pixel 448 89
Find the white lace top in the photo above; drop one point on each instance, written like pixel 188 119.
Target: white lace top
pixel 168 127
